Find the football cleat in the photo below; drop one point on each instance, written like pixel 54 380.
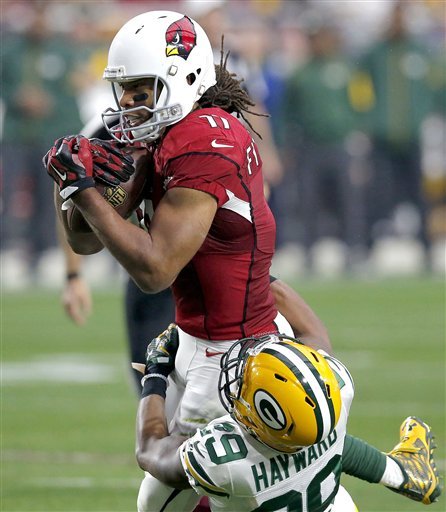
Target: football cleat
pixel 414 455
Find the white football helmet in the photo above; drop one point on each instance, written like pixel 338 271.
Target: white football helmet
pixel 172 49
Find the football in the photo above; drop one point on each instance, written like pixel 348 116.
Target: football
pixel 125 198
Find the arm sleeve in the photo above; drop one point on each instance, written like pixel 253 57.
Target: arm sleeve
pixel 362 460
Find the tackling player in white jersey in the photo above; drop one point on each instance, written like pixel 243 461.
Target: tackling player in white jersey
pixel 279 446
pixel 282 443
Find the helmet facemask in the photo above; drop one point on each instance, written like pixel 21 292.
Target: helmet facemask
pixel 232 366
pixel 160 114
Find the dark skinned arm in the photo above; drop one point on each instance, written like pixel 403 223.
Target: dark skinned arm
pixel 156 451
pixel 76 295
pixel 305 323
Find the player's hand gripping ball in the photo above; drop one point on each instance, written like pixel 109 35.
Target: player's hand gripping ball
pixel 70 163
pixel 112 164
pixel 119 173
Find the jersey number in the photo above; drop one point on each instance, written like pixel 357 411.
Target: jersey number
pixel 212 120
pixel 291 501
pixel 228 450
pixel 232 447
pixel 251 153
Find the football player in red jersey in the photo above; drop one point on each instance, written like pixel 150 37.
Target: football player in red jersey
pixel 212 233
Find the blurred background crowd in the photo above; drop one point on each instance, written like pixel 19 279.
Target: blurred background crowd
pixel 354 151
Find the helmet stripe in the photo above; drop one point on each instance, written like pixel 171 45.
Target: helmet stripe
pixel 289 360
pixel 309 378
pixel 309 363
pixel 316 373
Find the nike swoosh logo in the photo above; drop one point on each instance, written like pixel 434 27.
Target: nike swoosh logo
pixel 215 144
pixel 62 176
pixel 211 353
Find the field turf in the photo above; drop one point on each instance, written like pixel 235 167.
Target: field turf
pixel 68 405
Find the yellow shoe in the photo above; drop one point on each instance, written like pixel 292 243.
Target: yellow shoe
pixel 414 454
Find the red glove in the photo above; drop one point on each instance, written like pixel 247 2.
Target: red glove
pixel 70 163
pixel 111 165
pixel 76 163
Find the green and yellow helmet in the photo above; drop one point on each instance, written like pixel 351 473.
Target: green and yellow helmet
pixel 283 392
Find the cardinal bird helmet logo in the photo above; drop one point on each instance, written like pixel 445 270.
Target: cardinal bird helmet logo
pixel 181 38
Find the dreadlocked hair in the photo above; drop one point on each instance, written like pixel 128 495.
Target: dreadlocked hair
pixel 228 93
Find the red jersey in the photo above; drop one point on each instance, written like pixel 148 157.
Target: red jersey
pixel 223 293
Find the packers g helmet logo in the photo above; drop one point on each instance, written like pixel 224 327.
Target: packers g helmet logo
pixel 269 411
pixel 181 38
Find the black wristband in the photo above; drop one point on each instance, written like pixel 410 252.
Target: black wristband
pixel 76 187
pixel 154 385
pixel 72 275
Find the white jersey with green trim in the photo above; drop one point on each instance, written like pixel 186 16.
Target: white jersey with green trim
pixel 226 463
